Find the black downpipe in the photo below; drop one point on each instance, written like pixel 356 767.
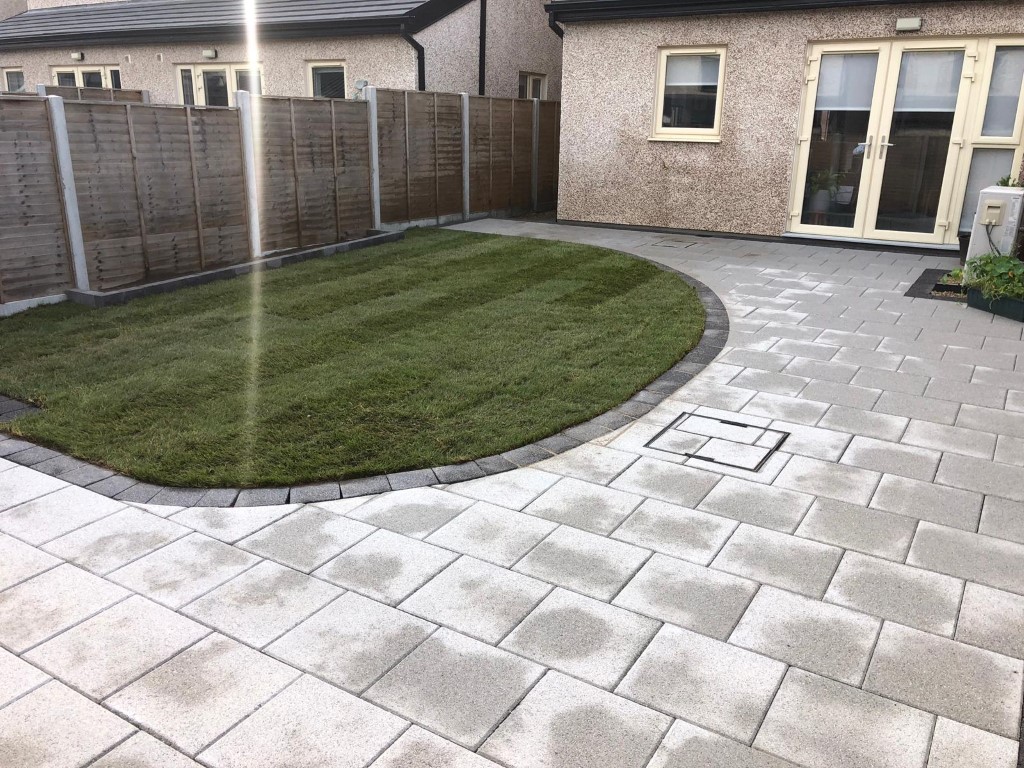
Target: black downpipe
pixel 421 61
pixel 482 73
pixel 554 25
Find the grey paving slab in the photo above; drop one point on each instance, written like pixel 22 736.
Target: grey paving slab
pixel 590 462
pixel 927 501
pixel 956 745
pixel 969 442
pixel 183 570
pixel 585 638
pixel 37 609
pixel 992 619
pixel 982 476
pixel 704 681
pixel 308 725
pixel 307 538
pixel 262 603
pixel 1003 519
pixel 993 420
pixel 835 481
pixel 690 596
pixel 820 723
pixel 115 540
pixel 143 751
pixel 817 443
pixel 958 681
pixel 513 489
pixel 113 648
pixel 54 727
pixel 860 422
pixel 783 561
pixel 793 409
pixel 584 505
pixel 893 458
pixel 842 373
pixel 415 512
pixel 677 531
pixel 827 639
pixel 970 556
pixel 47 517
pixel 17 677
pixel 564 722
pixel 418 748
pixel 874 359
pixel 758 504
pixel 202 692
pixel 767 381
pixel 687 746
pixel 911 596
pixel 835 393
pixel 1010 450
pixel 230 524
pixel 890 380
pixel 352 642
pixel 492 533
pixel 477 599
pixel 585 562
pixel 667 482
pixel 456 687
pixel 21 484
pixel 851 526
pixel 19 561
pixel 386 566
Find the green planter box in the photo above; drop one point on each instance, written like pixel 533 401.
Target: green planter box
pixel 1011 308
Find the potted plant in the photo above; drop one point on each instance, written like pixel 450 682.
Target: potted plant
pixel 996 283
pixel 824 185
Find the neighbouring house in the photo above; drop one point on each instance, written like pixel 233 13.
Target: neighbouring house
pixel 195 52
pixel 847 119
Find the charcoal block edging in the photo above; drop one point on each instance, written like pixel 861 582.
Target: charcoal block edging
pixel 113 485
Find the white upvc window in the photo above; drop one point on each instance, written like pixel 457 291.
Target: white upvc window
pixel 688 96
pixel 12 79
pixel 326 79
pixel 87 76
pixel 214 84
pixel 532 85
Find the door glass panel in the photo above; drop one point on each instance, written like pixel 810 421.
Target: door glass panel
pixel 215 83
pixel 1004 92
pixel 842 109
pixel 922 126
pixel 92 79
pixel 987 167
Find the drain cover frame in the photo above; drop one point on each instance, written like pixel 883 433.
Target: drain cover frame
pixel 763 441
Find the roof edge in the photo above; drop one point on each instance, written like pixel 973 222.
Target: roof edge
pixel 609 10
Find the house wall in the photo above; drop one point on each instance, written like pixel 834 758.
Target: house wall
pixel 34 4
pixel 520 40
pixel 452 50
pixel 386 61
pixel 10 8
pixel 611 172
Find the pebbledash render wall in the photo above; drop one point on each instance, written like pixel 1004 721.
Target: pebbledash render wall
pixel 611 172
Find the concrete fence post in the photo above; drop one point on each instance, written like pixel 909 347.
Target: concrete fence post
pixel 370 94
pixel 252 181
pixel 535 159
pixel 40 90
pixel 145 97
pixel 69 193
pixel 465 156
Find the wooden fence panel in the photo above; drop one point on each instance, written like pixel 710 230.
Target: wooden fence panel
pixel 479 154
pixel 393 162
pixel 72 93
pixel 422 157
pixel 314 152
pixel 547 159
pixel 449 154
pixel 34 257
pixel 352 143
pixel 521 187
pixel 501 154
pixel 275 159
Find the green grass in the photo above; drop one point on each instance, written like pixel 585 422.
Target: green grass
pixel 441 348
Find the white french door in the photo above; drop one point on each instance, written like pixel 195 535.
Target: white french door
pixel 881 137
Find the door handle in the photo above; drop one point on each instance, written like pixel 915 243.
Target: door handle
pixel 867 147
pixel 881 147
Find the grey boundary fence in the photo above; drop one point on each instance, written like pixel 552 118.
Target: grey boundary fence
pixel 108 195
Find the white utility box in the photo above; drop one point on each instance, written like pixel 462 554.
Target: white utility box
pixel 997 220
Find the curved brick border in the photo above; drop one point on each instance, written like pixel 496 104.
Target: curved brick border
pixel 108 483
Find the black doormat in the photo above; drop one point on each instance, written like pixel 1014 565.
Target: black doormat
pixel 927 286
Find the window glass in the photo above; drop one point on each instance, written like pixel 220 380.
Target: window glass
pixel 329 82
pixel 66 79
pixel 188 90
pixel 93 79
pixel 215 83
pixel 115 78
pixel 246 81
pixel 15 81
pixel 1004 92
pixel 531 86
pixel 691 91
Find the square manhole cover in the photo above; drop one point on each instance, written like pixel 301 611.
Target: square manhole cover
pixel 730 443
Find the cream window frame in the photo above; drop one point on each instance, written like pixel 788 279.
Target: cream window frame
pixel 3 77
pixel 530 77
pixel 79 69
pixel 198 89
pixel 310 83
pixel 661 133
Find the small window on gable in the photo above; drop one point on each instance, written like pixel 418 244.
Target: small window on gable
pixel 532 85
pixel 14 80
pixel 327 80
pixel 689 96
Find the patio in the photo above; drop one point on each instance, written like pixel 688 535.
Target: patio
pixel 821 566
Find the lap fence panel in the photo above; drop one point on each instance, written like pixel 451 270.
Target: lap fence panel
pixel 449 153
pixel 314 152
pixel 352 168
pixel 422 153
pixel 479 154
pixel 276 166
pixel 393 148
pixel 547 162
pixel 522 155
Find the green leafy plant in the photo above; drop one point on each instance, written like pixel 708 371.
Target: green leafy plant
pixel 1009 181
pixel 825 180
pixel 997 277
pixel 956 277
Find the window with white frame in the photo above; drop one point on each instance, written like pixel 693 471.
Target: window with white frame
pixel 214 85
pixel 87 76
pixel 532 85
pixel 13 80
pixel 689 94
pixel 327 79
